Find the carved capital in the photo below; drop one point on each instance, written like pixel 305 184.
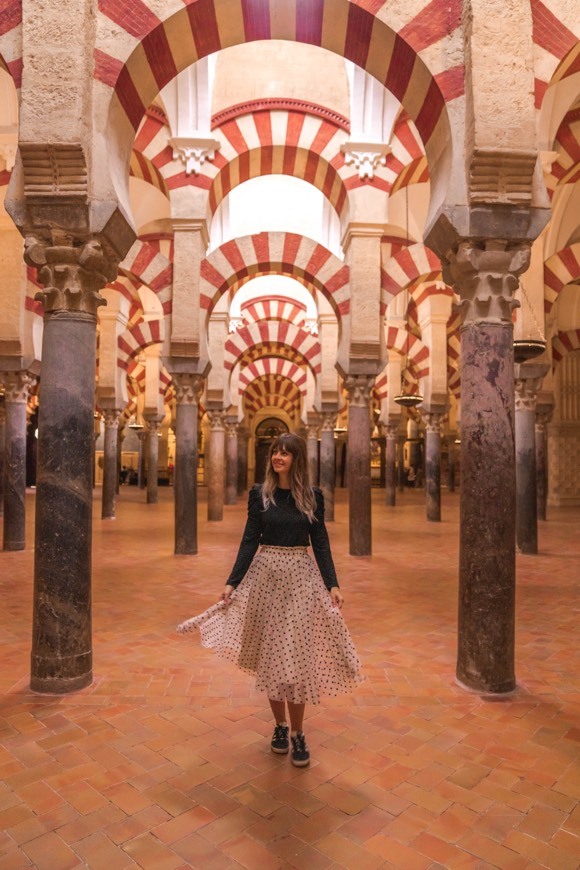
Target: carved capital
pixel 217 420
pixel 193 151
pixel 359 389
pixel 312 431
pixel 188 388
pixel 17 386
pixel 329 419
pixel 365 157
pixel 392 431
pixel 232 427
pixel 526 390
pixel 2 414
pixel 142 435
pixel 72 275
pixel 111 418
pixel 153 426
pixel 486 277
pixel 432 422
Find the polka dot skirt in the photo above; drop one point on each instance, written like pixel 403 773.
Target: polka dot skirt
pixel 282 627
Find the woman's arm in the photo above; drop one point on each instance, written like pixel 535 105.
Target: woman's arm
pixel 321 544
pixel 250 539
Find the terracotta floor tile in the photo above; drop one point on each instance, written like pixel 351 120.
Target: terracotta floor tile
pixel 49 852
pixel 182 825
pixel 100 853
pixel 149 853
pixel 251 854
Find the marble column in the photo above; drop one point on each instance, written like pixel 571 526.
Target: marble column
pixel 312 433
pixel 142 436
pixel 328 463
pixel 16 387
pixel 153 425
pixel 215 467
pixel 189 388
pixel 61 658
pixel 391 465
pixel 527 383
pixel 2 451
pixel 243 438
pixel 451 463
pixel 486 277
pixel 401 480
pixel 541 427
pixel 120 439
pixel 359 464
pixel 110 462
pixel 433 466
pixel 231 461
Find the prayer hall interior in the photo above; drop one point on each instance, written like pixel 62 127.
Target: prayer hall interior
pixel 356 220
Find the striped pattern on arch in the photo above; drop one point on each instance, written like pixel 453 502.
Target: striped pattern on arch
pixel 409 345
pixel 560 269
pixel 273 366
pixel 566 168
pixel 411 265
pixel 152 267
pixel 238 261
pixel 137 338
pixel 564 343
pixel 272 391
pixel 141 167
pixel 559 49
pixel 163 48
pixel 272 333
pixel 274 308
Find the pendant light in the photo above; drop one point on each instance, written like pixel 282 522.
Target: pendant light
pixel 406 399
pixel 526 349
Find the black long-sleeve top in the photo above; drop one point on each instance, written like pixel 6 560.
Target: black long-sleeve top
pixel 283 525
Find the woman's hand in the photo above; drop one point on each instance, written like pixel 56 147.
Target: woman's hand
pixel 337 598
pixel 225 596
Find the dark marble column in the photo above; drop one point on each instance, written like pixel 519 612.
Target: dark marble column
pixel 359 464
pixel 451 463
pixel 110 462
pixel 528 382
pixel 433 466
pixel 401 478
pixel 120 439
pixel 61 645
pixel 215 467
pixel 312 434
pixel 243 438
pixel 328 463
pixel 16 386
pixel 153 426
pixel 542 421
pixel 142 436
pixel 189 388
pixel 486 277
pixel 231 461
pixel 391 465
pixel 382 442
pixel 2 451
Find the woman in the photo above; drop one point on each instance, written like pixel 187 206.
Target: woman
pixel 279 617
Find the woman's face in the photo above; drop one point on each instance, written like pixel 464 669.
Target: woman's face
pixel 281 460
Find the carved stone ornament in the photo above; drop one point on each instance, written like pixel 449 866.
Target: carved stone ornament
pixel 542 420
pixel 526 393
pixel 498 175
pixel 359 389
pixel 17 386
pixel 217 420
pixel 194 151
pixel 432 422
pixel 72 276
pixel 328 421
pixel 111 418
pixel 235 324
pixel 312 431
pixel 486 278
pixel 153 426
pixel 188 388
pixel 391 431
pixel 365 157
pixel 232 427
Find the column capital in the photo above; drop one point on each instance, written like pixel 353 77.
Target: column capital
pixel 72 275
pixel 359 389
pixel 153 424
pixel 188 388
pixel 432 422
pixel 329 419
pixel 111 417
pixel 486 276
pixel 391 430
pixel 17 386
pixel 217 420
pixel 142 435
pixel 526 393
pixel 232 427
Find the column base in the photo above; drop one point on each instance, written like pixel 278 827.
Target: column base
pixel 13 546
pixel 505 689
pixel 48 676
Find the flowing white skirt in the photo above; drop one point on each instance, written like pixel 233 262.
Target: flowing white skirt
pixel 282 627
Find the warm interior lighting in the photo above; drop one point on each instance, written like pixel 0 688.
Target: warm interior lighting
pixel 528 348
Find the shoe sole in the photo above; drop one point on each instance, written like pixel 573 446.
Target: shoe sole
pixel 300 763
pixel 280 751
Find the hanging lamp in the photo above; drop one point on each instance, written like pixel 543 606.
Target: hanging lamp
pixel 406 399
pixel 526 349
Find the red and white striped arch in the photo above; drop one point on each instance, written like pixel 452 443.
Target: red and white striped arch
pixel 11 39
pixel 271 391
pixel 274 308
pixel 236 262
pixel 409 345
pixel 150 261
pixel 411 265
pixel 138 337
pixel 560 269
pixel 566 167
pixel 380 388
pixel 141 167
pixel 424 292
pixel 273 366
pixel 162 48
pixel 557 48
pixel 272 334
pixel 564 343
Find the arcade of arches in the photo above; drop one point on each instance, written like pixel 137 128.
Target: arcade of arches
pixel 353 219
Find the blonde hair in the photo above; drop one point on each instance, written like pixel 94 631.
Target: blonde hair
pixel 300 488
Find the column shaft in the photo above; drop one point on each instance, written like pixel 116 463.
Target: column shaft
pixel 541 469
pixel 328 464
pixel 312 451
pixel 359 465
pixel 401 464
pixel 61 643
pixel 451 465
pixel 433 469
pixel 242 463
pixel 526 493
pixel 216 475
pixel 232 463
pixel 142 436
pixel 110 473
pixel 152 462
pixel 390 469
pixel 15 467
pixel 2 454
pixel 185 478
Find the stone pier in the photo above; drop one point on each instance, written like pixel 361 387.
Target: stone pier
pixel 451 463
pixel 2 451
pixel 401 480
pixel 312 434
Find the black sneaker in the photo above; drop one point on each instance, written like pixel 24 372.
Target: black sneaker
pixel 300 753
pixel 279 742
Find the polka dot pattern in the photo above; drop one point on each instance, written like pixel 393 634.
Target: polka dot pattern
pixel 282 627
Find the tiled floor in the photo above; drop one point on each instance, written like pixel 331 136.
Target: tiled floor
pixel 164 761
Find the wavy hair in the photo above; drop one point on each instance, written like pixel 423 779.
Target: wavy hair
pixel 300 487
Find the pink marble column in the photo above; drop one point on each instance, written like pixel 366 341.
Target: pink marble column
pixel 231 461
pixel 392 431
pixel 527 384
pixel 153 426
pixel 312 435
pixel 216 465
pixel 451 463
pixel 486 277
pixel 541 427
pixel 359 463
pixel 328 463
pixel 433 466
pixel 110 463
pixel 243 438
pixel 16 388
pixel 189 388
pixel 142 436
